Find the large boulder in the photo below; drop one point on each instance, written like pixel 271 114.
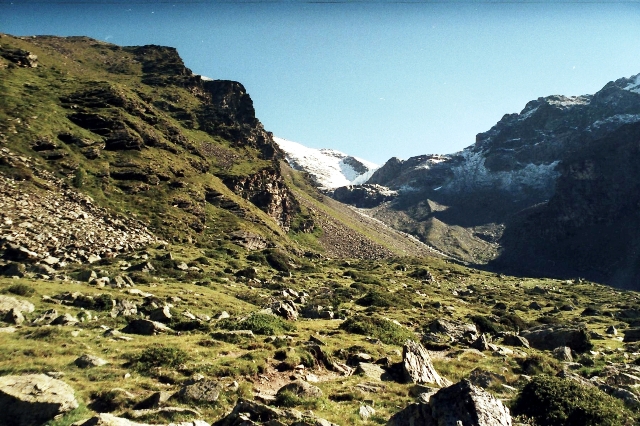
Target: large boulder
pixel 33 399
pixel 459 404
pixel 8 303
pixel 549 337
pixel 417 366
pixel 204 391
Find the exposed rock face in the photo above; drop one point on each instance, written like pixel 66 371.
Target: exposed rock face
pixel 459 404
pixel 33 399
pixel 267 190
pixel 417 366
pixel 364 196
pixel 19 57
pixel 8 303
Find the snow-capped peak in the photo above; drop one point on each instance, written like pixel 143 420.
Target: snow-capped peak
pixel 328 167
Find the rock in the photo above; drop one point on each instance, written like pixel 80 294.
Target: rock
pixel 223 315
pixel 366 412
pixel 459 404
pixel 65 319
pixel 14 316
pixel 146 327
pixel 8 303
pixel 87 275
pixel 252 413
pixel 106 419
pixel 417 366
pixel 481 343
pixel 612 330
pixel 142 267
pixel 34 399
pixel 373 371
pixel 548 337
pixel 47 317
pixel 632 335
pixel 563 353
pixel 250 273
pixel 155 400
pixel 301 389
pixel 459 332
pixel 125 308
pixel 88 361
pixel 286 310
pixel 161 314
pixel 13 270
pixel 485 379
pixel 201 391
pixel 515 340
pixel 535 306
pixel 364 196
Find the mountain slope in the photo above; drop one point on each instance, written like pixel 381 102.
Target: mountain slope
pixel 521 162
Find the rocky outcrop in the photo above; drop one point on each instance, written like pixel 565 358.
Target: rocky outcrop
pixel 417 366
pixel 19 57
pixel 268 191
pixel 364 196
pixel 33 399
pixel 106 419
pixel 249 412
pixel 459 404
pixel 9 304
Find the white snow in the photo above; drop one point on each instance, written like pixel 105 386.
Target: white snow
pixel 616 119
pixel 634 85
pixel 568 101
pixel 205 78
pixel 432 160
pixel 327 166
pixel 524 115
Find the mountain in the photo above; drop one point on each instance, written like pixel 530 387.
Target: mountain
pixel 328 168
pixel 462 203
pixel 160 262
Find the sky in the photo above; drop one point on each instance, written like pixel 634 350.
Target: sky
pixel 374 79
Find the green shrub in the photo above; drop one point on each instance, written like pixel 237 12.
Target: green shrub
pixel 79 178
pixel 552 401
pixel 21 290
pixel 277 259
pixel 485 325
pixel 539 364
pixel 385 330
pixel 383 300
pixel 158 356
pixel 265 324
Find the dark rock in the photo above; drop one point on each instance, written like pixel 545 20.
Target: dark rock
pixel 286 310
pixel 14 316
pixel 563 353
pixel 515 340
pixel 204 391
pixel 364 196
pixel 547 337
pixel 146 327
pixel 88 361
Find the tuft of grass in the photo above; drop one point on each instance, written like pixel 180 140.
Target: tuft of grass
pixel 155 357
pixel 21 290
pixel 380 328
pixel 265 324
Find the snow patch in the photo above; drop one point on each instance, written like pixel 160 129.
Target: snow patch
pixel 634 84
pixel 568 101
pixel 617 119
pixel 205 78
pixel 327 166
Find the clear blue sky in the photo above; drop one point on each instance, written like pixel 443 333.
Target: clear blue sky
pixel 373 79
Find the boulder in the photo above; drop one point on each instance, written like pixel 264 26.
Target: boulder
pixel 459 404
pixel 301 389
pixel 65 319
pixel 201 391
pixel 549 337
pixel 88 361
pixel 372 371
pixel 14 316
pixel 106 419
pixel 125 308
pixel 563 353
pixel 366 412
pixel 8 303
pixel 13 270
pixel 286 310
pixel 146 327
pixel 34 399
pixel 250 412
pixel 162 314
pixel 46 317
pixel 515 340
pixel 469 405
pixel 417 366
pixel 459 332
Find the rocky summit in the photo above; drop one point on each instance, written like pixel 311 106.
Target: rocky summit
pixel 162 264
